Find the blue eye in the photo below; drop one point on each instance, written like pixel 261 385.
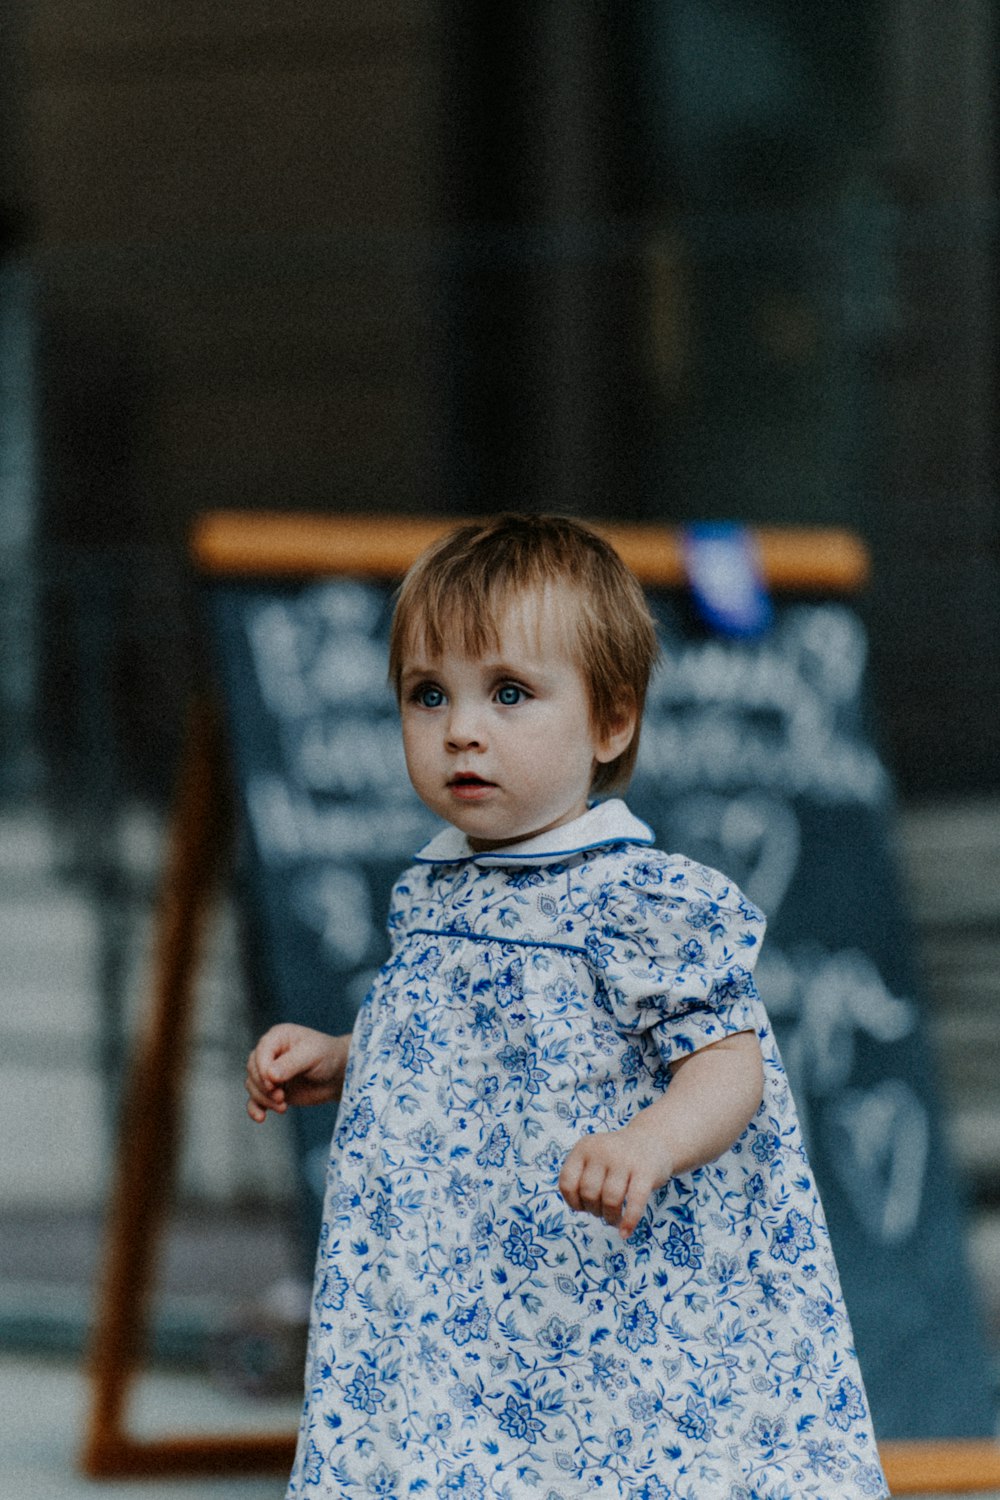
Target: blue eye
pixel 428 696
pixel 510 694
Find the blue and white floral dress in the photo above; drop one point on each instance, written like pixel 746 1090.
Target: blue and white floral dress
pixel 473 1336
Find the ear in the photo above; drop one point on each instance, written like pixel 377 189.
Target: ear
pixel 616 740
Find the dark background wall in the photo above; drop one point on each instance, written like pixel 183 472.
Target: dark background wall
pixel 702 259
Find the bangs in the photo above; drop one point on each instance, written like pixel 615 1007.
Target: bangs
pixel 458 596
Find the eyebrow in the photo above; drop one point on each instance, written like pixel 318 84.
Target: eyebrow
pixel 498 668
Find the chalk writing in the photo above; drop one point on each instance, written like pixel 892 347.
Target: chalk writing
pixel 778 713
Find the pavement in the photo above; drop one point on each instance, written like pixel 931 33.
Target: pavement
pixel 44 1404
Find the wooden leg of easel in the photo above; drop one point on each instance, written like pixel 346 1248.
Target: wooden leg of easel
pixel 945 1468
pixel 148 1141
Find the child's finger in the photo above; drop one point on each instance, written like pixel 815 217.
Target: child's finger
pixel 591 1187
pixel 569 1180
pixel 298 1057
pixel 636 1198
pixel 613 1194
pixel 259 1104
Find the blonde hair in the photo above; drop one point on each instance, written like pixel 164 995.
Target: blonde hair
pixel 457 593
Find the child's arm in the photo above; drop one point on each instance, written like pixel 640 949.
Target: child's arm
pixel 713 1095
pixel 294 1065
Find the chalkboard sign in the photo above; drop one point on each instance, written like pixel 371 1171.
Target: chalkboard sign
pixel 756 757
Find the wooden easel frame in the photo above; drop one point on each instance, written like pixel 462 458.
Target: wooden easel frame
pixel 240 545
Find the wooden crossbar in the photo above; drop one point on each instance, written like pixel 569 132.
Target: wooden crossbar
pixel 247 544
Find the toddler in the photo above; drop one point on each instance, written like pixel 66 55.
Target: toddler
pixel 571 1241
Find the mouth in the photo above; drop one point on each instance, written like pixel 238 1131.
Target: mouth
pixel 468 784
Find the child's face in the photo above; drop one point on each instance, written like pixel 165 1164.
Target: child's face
pixel 502 746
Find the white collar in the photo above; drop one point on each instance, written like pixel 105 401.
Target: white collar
pixel 605 823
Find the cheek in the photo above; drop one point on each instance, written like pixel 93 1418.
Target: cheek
pixel 414 747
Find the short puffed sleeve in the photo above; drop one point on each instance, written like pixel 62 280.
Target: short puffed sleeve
pixel 673 950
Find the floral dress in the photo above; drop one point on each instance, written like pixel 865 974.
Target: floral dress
pixel 470 1334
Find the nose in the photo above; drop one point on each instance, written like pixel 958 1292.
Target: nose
pixel 464 730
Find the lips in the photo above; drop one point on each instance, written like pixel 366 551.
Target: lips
pixel 468 784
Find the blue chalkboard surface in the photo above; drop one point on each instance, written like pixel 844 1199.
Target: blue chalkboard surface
pixel 758 758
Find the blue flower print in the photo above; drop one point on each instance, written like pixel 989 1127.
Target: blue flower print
pixel 430 1357
pixel 868 1478
pixel 652 1489
pixel 426 1142
pixel 819 1312
pixel 597 951
pixel 645 1407
pixel 724 1270
pixel 331 1290
pixel 765 1145
pixel 682 1247
pixel 691 951
pixel 468 1481
pixel 736 985
pixel 822 1458
pixel 805 1352
pixel 616 1265
pixel 696 1421
pixel 641 1237
pixel 383 1482
pixel 773 1291
pixel 398 1310
pixel 517 1420
pixel 382 1219
pixel 427 963
pixel 312 1469
pixel 607 1373
pixel 560 994
pixel 465 1398
pixel 631 1066
pixel 509 984
pixel 357 1124
pixel 647 874
pixel 768 1436
pixel 621 1439
pixel 468 1323
pixel 846 1405
pixel 458 982
pixel 363 1394
pixel 412 1052
pixel 512 1058
pixel 560 1337
pixel 755 1187
pixel 521 1248
pixel 637 1326
pixel 701 914
pixel 549 1162
pixel 792 1237
pixel 484 1022
pixel 462 1192
pixel 482 1229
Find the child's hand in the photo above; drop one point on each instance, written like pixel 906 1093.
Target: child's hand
pixel 294 1065
pixel 611 1174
